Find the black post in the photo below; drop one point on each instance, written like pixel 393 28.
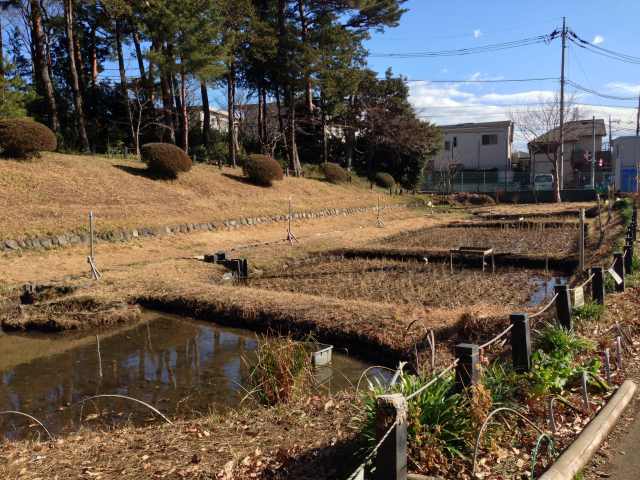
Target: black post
pixel 563 306
pixel 618 266
pixel 468 369
pixel 521 342
pixel 391 458
pixel 628 257
pixel 597 285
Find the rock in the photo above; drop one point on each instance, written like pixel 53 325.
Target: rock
pixel 62 240
pixel 11 245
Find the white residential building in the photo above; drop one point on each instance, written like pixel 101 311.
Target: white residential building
pixel 475 146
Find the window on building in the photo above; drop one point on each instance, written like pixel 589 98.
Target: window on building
pixel 489 139
pixel 447 145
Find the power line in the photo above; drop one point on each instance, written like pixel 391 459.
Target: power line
pixel 598 94
pixel 494 47
pixel 605 52
pixel 497 80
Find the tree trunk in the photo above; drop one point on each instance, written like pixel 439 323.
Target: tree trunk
pixel 261 137
pixel 308 92
pixel 557 197
pixel 75 84
pixel 139 56
pixel 177 108
pixel 41 68
pixel 206 124
pixel 124 89
pixel 231 112
pixel 2 57
pixel 291 111
pixel 167 107
pixel 82 76
pixel 184 120
pixel 94 59
pixel 283 131
pixel 325 142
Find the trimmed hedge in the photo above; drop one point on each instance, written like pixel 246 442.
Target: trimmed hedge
pixel 25 138
pixel 262 170
pixel 165 160
pixel 384 180
pixel 334 173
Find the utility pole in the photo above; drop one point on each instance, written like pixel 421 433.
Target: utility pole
pixel 610 146
pixel 593 156
pixel 564 47
pixel 638 119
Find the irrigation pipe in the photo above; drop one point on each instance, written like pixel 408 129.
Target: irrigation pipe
pixel 437 377
pixel 554 427
pixel 486 423
pixel 496 338
pixel 534 453
pixel 124 397
pixel 15 412
pixel 545 308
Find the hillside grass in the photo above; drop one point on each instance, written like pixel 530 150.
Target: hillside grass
pixel 55 193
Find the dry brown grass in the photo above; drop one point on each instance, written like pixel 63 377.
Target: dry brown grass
pixel 550 242
pixel 55 194
pixel 309 439
pixel 403 283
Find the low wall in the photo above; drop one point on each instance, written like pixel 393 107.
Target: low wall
pixel 125 235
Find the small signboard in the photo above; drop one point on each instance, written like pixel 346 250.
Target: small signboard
pixel 615 276
pixel 578 297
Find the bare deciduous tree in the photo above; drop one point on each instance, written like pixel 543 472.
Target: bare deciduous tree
pixel 539 126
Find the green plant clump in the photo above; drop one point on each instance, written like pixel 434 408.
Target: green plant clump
pixel 334 173
pixel 165 160
pixel 23 138
pixel 554 364
pixel 503 383
pixel 590 311
pixel 262 170
pixel 438 420
pixel 384 180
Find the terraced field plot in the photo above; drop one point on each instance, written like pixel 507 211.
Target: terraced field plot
pixel 538 241
pixel 428 285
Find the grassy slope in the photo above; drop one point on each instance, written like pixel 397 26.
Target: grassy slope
pixel 55 194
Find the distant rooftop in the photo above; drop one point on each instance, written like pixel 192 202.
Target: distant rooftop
pixel 502 124
pixel 573 131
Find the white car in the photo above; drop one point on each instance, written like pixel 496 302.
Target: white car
pixel 543 181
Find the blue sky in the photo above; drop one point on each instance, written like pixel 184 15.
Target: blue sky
pixel 436 26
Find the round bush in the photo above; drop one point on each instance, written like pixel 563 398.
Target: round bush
pixel 262 170
pixel 385 180
pixel 334 173
pixel 165 159
pixel 25 138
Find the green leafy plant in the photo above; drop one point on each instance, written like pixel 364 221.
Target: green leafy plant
pixel 503 383
pixel 438 420
pixel 590 311
pixel 554 364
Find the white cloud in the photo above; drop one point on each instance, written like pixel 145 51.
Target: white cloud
pixel 597 40
pixel 445 104
pixel 623 87
pixel 477 34
pixel 444 70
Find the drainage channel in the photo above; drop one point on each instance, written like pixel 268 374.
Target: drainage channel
pixel 183 367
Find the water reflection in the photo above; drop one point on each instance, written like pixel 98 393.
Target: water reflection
pixel 182 367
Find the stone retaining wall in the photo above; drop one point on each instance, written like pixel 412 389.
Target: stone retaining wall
pixel 125 235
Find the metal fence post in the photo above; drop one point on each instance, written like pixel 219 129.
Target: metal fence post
pixel 597 285
pixel 618 266
pixel 563 306
pixel 391 458
pixel 468 369
pixel 521 342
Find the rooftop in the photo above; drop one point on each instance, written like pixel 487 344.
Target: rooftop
pixel 573 131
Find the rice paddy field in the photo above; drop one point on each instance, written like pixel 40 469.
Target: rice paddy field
pixel 504 239
pixel 410 283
